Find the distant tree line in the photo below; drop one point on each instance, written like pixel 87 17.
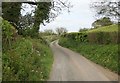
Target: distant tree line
pixel 59 31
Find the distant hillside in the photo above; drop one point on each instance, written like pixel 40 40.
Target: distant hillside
pixel 110 28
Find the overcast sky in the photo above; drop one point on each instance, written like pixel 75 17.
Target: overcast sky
pixel 81 16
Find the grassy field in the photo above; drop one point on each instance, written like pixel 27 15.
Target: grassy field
pixel 111 28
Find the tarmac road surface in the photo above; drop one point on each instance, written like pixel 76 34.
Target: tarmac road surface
pixel 71 66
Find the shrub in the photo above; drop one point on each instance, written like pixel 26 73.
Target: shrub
pixel 24 59
pixel 94 37
pixel 28 60
pixel 103 37
pixel 105 55
pixel 8 34
pixel 80 37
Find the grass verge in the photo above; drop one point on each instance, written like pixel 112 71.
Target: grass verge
pixel 27 60
pixel 105 55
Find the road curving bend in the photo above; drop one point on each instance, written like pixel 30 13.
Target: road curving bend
pixel 71 66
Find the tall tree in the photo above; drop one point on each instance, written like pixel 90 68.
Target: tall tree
pixel 41 14
pixel 47 11
pixel 25 23
pixel 44 12
pixel 11 12
pixel 61 31
pixel 107 8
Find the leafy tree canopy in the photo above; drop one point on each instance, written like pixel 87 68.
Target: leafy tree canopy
pixel 44 12
pixel 102 22
pixel 107 8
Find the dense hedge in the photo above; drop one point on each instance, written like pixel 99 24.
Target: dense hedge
pixel 103 37
pixel 105 55
pixel 100 47
pixel 95 37
pixel 80 37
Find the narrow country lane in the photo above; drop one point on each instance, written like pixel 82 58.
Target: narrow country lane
pixel 71 66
